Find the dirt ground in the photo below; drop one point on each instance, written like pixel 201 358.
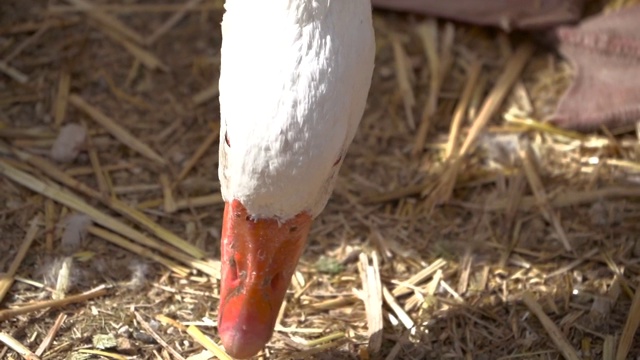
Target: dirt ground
pixel 535 255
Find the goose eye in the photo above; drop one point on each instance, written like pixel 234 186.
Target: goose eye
pixel 226 139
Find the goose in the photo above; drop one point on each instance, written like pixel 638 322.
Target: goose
pixel 294 80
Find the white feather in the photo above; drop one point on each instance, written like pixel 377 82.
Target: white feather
pixel 294 79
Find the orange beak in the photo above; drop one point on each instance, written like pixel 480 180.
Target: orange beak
pixel 258 259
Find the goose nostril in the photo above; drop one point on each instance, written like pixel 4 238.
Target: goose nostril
pixel 276 281
pixel 232 272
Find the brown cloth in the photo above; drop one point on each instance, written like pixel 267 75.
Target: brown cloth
pixel 605 53
pixel 507 14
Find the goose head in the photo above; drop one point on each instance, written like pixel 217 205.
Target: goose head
pixel 293 85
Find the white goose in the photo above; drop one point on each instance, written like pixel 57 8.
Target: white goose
pixel 294 79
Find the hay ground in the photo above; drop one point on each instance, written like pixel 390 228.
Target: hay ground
pixel 499 238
